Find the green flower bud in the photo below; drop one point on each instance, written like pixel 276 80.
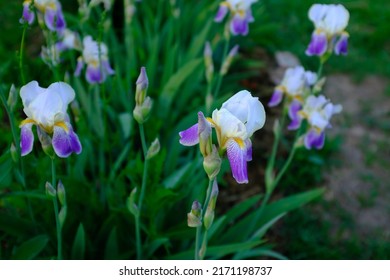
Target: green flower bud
pixel 142 84
pixel 141 112
pixel 12 97
pixel 62 215
pixel 212 163
pixel 153 149
pixel 194 217
pixel 130 203
pixel 209 215
pixel 50 191
pixel 14 153
pixel 229 59
pixel 61 193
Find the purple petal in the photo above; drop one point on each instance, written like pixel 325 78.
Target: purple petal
pixel 222 12
pixel 249 16
pixel 28 15
pixel 318 45
pixel 237 158
pixel 93 74
pixel 107 67
pixel 54 19
pixel 26 139
pixel 341 46
pixel 248 144
pixel 64 143
pixel 276 98
pixel 79 67
pixel 239 25
pixel 314 139
pixel 296 119
pixel 190 136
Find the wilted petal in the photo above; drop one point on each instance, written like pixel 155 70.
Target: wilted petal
pixel 341 46
pixel 314 139
pixel 26 139
pixel 239 25
pixel 222 12
pixel 293 110
pixel 237 158
pixel 318 44
pixel 190 136
pixel 276 98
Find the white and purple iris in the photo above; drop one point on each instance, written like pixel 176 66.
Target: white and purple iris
pixel 46 109
pixel 295 85
pixel 236 121
pixel 241 15
pixel 50 11
pixel 95 55
pixel 318 111
pixel 330 22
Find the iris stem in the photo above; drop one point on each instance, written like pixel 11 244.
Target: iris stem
pixel 142 195
pixel 56 212
pixel 220 76
pixel 21 52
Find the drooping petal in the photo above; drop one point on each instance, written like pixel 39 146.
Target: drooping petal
pixel 61 142
pixel 314 140
pixel 248 144
pixel 221 13
pixel 107 67
pixel 79 67
pixel 93 74
pixel 276 98
pixel 296 119
pixel 190 136
pixel 341 46
pixel 237 158
pixel 28 15
pixel 74 141
pixel 318 44
pixel 239 25
pixel 26 139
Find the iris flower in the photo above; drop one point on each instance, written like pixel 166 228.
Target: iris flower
pixel 236 121
pixel 46 109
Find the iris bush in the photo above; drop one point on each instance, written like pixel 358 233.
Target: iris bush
pixel 112 180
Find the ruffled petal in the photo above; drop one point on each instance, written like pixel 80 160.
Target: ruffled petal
pixel 318 44
pixel 26 139
pixel 237 158
pixel 190 136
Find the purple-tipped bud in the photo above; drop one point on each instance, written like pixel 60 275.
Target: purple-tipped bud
pixel 221 13
pixel 194 218
pixel 142 84
pixel 141 112
pixel 228 61
pixel 153 149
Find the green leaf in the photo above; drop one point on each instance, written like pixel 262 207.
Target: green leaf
pixel 175 82
pixel 15 226
pixel 154 245
pixel 31 248
pixel 199 42
pixel 112 248
pixel 270 212
pixel 78 248
pixel 173 180
pixel 256 253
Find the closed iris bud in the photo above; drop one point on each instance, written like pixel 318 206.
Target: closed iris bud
pixel 130 203
pixel 209 215
pixel 142 84
pixel 194 217
pixel 141 112
pixel 12 97
pixel 229 59
pixel 61 193
pixel 212 163
pixel 50 191
pixel 153 149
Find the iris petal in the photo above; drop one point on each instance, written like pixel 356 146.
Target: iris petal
pixel 190 136
pixel 237 158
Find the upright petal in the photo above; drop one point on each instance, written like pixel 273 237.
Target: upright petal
pixel 318 44
pixel 190 136
pixel 26 139
pixel 239 25
pixel 221 13
pixel 237 159
pixel 65 92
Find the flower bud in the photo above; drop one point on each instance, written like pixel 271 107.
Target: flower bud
pixel 204 131
pixel 141 112
pixel 228 61
pixel 153 149
pixel 12 97
pixel 62 215
pixel 319 84
pixel 209 215
pixel 194 217
pixel 14 153
pixel 130 203
pixel 142 84
pixel 50 191
pixel 208 61
pixel 61 193
pixel 212 163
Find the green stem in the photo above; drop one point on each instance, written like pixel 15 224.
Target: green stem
pixel 220 76
pixel 197 241
pixel 21 54
pixel 56 212
pixel 142 195
pixel 284 168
